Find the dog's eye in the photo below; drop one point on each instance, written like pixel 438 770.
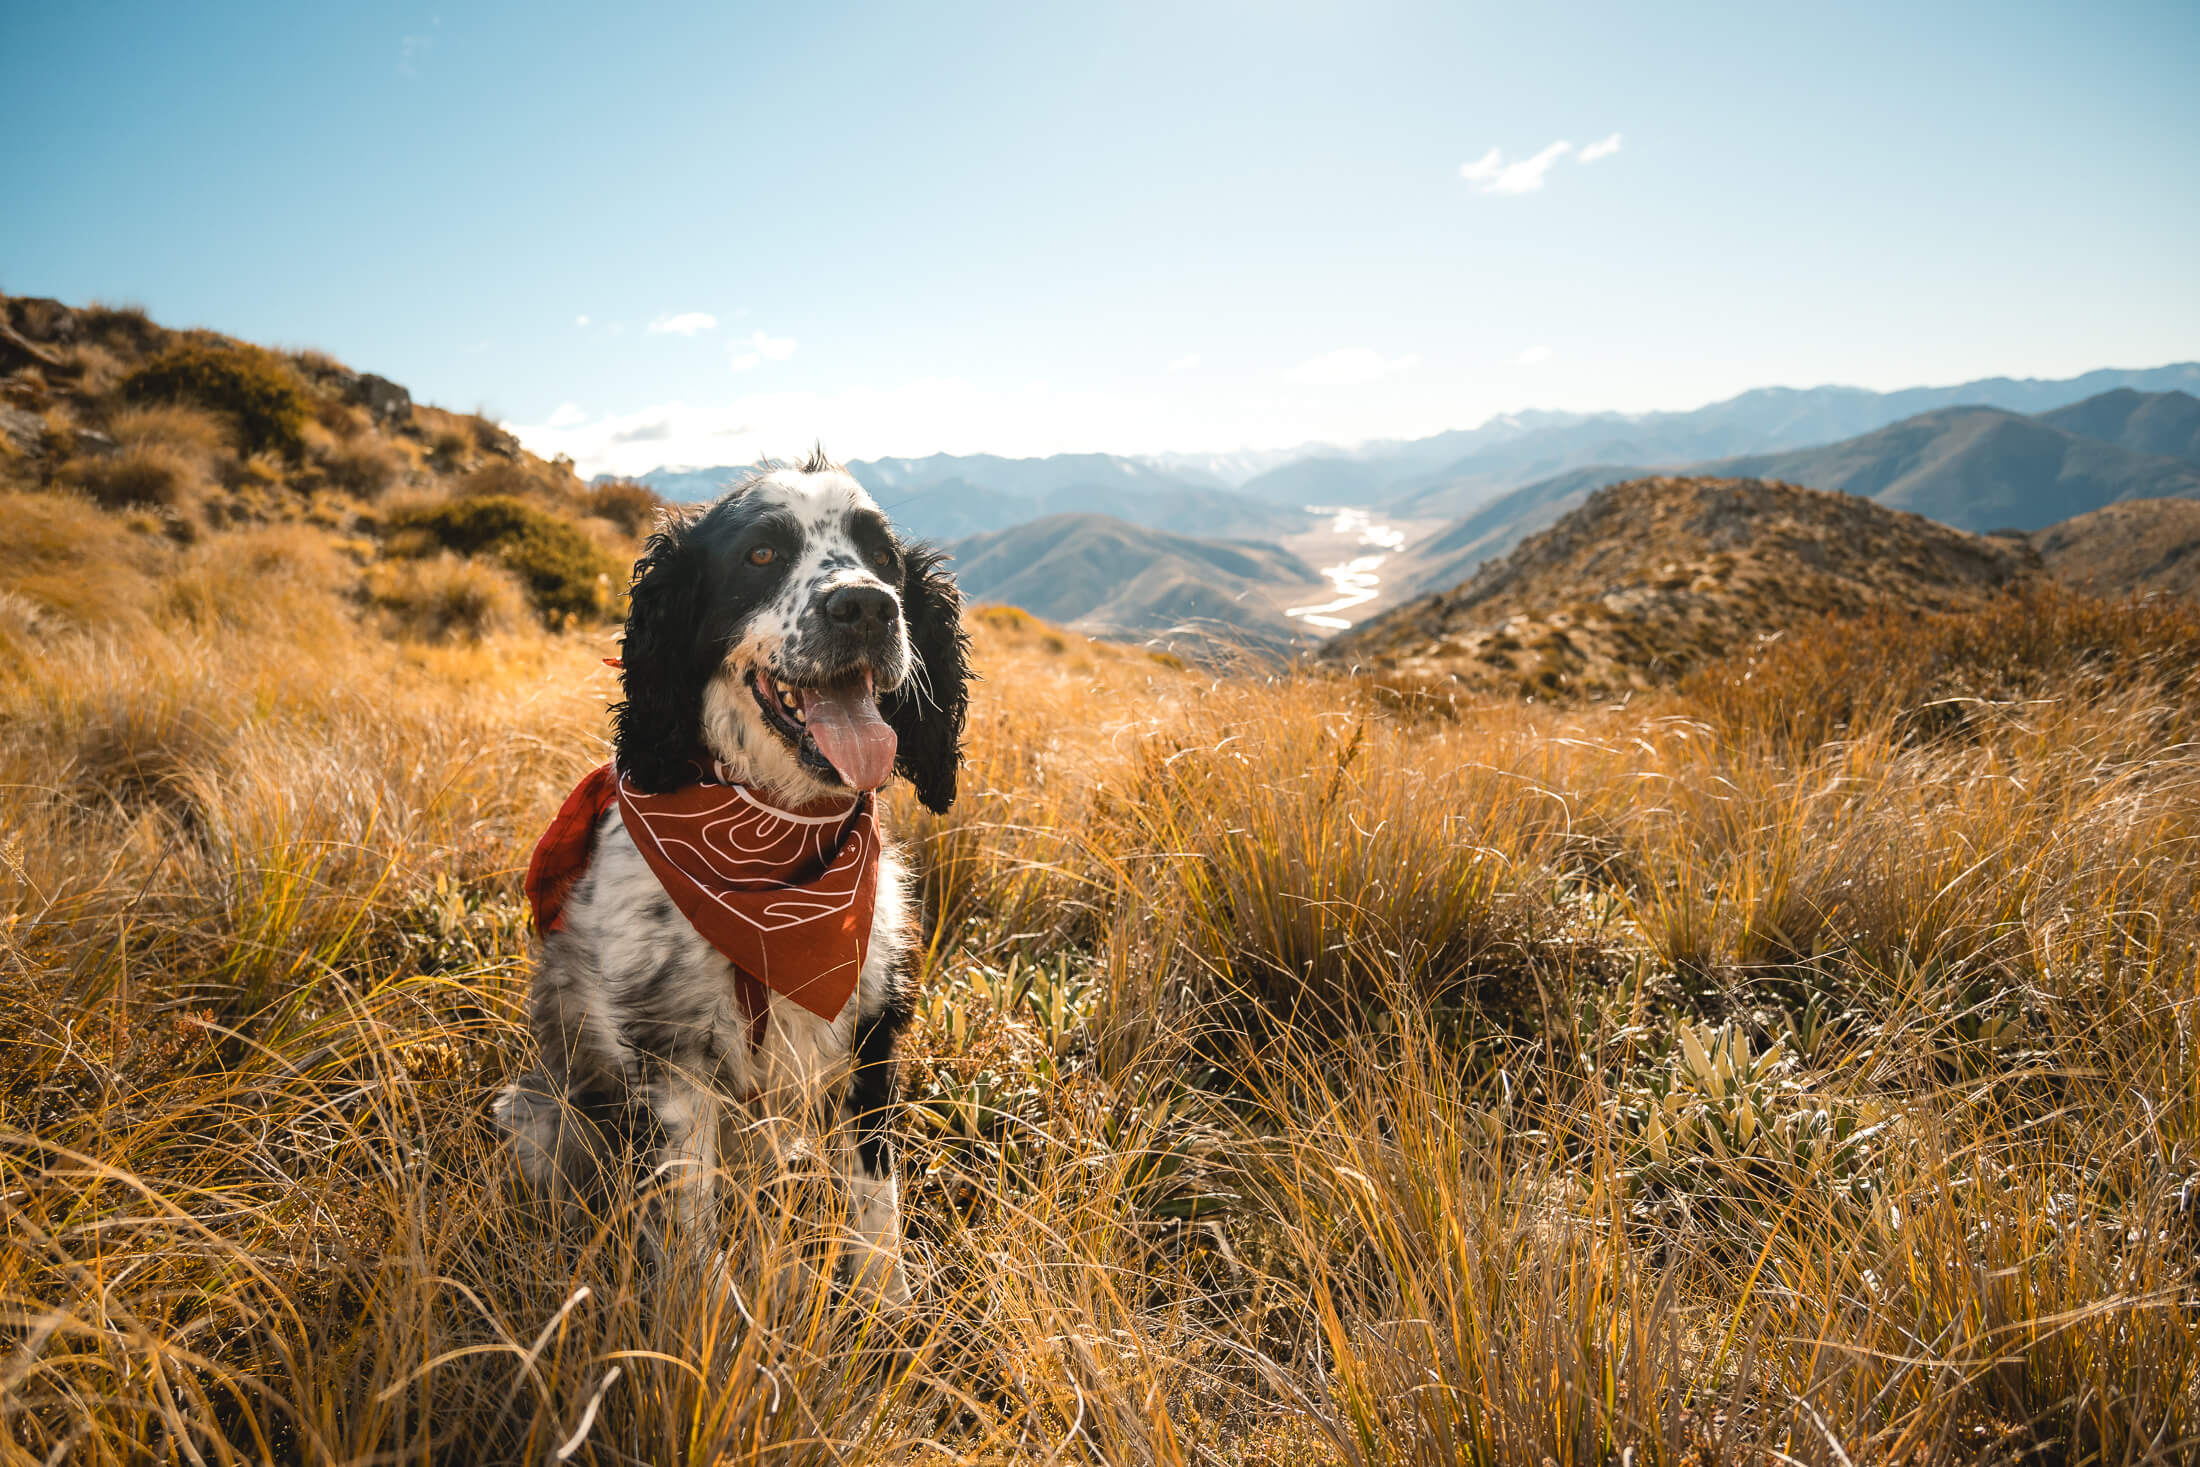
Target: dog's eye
pixel 763 555
pixel 883 559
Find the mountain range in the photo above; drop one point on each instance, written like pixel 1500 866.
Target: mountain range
pixel 1126 546
pixel 1972 467
pixel 948 496
pixel 1104 577
pixel 1442 476
pixel 1767 420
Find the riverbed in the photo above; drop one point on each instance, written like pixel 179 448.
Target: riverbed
pixel 1365 547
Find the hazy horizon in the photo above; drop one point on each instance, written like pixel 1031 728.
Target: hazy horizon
pixel 1312 446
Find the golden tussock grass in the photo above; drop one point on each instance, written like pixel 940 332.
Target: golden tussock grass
pixel 443 597
pixel 362 466
pixel 141 474
pixel 1301 1076
pixel 192 433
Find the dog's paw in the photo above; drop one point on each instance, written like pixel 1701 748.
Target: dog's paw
pixel 877 1275
pixel 528 1117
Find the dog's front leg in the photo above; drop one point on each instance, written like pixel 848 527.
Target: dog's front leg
pixel 687 1165
pixel 867 1165
pixel 876 1262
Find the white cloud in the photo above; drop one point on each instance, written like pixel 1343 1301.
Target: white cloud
pixel 760 348
pixel 1349 367
pixel 1534 356
pixel 566 415
pixel 1604 149
pixel 580 320
pixel 1491 174
pixel 687 323
pixel 1185 363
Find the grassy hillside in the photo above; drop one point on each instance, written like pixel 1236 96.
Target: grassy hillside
pixel 1305 1073
pixel 139 448
pixel 1490 533
pixel 2146 545
pixel 1652 577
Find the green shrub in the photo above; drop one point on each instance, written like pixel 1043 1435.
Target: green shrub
pixel 567 575
pixel 1724 1139
pixel 253 386
pixel 632 507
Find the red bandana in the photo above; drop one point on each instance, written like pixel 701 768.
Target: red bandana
pixel 785 897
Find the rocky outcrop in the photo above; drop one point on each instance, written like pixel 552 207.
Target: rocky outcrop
pixel 388 402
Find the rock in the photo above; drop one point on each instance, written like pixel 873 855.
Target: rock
pixel 41 320
pixel 384 399
pixel 14 346
pixel 25 432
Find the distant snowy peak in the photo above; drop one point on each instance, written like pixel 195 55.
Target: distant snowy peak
pixel 1230 470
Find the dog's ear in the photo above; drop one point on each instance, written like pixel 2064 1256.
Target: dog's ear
pixel 656 730
pixel 928 709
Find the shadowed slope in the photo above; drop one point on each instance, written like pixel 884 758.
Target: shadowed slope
pixel 1978 469
pixel 1109 578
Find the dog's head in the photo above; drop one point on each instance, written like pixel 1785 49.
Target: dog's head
pixel 787 631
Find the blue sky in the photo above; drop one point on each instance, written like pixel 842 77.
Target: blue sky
pixel 690 234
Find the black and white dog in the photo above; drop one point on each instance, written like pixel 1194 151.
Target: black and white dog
pixel 760 632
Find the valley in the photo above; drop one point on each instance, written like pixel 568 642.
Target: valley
pixel 1282 550
pixel 1361 556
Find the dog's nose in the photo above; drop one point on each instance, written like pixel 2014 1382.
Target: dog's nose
pixel 862 608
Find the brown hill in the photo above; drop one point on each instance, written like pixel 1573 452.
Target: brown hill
pixel 1109 578
pixel 1652 576
pixel 2140 545
pixel 118 432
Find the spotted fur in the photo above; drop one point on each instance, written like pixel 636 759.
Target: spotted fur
pixel 646 1055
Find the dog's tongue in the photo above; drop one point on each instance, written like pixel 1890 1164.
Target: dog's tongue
pixel 845 723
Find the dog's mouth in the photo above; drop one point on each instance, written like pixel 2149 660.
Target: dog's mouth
pixel 834 729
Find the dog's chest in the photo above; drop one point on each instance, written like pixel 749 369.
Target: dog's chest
pixel 667 997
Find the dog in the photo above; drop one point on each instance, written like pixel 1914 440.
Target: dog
pixel 785 653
